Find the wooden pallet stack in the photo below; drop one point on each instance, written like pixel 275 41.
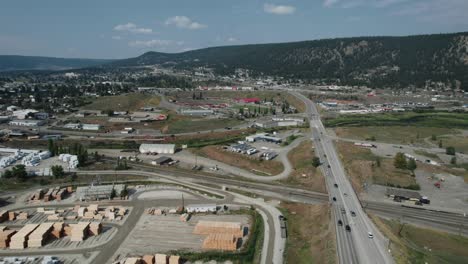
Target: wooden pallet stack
pixel 57 230
pixel 79 231
pixel 161 258
pixel 225 242
pixel 5 236
pixel 39 236
pixel 20 239
pixel 148 259
pixel 174 259
pixel 3 216
pixel 22 216
pixel 95 228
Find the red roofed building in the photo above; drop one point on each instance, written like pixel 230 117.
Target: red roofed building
pixel 248 100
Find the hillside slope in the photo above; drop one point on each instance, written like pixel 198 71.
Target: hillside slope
pixel 379 61
pixel 18 63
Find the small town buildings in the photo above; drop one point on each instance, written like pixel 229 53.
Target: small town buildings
pixel 263 137
pixel 161 161
pixel 157 148
pixel 72 126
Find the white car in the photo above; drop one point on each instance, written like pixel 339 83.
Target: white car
pixel 370 235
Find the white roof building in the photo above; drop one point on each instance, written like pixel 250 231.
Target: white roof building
pixel 201 208
pixel 27 122
pixel 157 148
pixel 91 127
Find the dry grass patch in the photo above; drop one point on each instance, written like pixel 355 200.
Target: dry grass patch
pixel 362 167
pixel 412 244
pixel 249 163
pixel 304 174
pixel 311 237
pixel 393 134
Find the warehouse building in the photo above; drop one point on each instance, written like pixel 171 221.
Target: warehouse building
pixel 201 208
pixel 157 148
pixel 263 137
pixel 98 192
pixel 93 127
pixel 197 112
pixel 27 122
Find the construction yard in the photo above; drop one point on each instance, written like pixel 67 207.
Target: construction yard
pixel 164 233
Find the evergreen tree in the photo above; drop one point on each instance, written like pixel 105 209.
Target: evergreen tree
pixel 400 161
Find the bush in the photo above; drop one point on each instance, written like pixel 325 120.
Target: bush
pixel 450 151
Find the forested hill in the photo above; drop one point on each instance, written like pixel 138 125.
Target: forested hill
pixel 375 61
pixel 18 63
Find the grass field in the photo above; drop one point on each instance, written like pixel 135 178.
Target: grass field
pixel 311 237
pixel 393 134
pixel 269 167
pixel 460 142
pixel 124 102
pixel 426 119
pixel 411 244
pixel 305 175
pixel 361 166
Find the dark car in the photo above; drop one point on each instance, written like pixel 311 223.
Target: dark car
pixel 328 165
pixel 340 223
pixel 336 185
pixel 334 199
pixel 353 213
pixel 228 128
pixel 348 228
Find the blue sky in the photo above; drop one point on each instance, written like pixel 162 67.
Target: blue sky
pixel 124 28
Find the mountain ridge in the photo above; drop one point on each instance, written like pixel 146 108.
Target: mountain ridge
pixel 28 63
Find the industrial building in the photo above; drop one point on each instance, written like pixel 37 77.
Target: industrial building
pixel 98 192
pixel 72 126
pixel 201 208
pixel 280 122
pixel 161 161
pixel 197 112
pixel 157 148
pixel 27 122
pixel 244 149
pixel 263 137
pixel 93 127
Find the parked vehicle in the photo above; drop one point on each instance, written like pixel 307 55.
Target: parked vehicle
pixel 340 223
pixel 348 228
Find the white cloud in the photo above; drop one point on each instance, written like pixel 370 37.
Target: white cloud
pixel 184 22
pixel 330 3
pixel 358 3
pixel 116 37
pixel 279 9
pixel 150 43
pixel 231 39
pixel 130 27
pixel 437 11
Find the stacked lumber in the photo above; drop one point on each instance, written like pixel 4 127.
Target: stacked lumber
pixel 37 195
pixel 133 261
pixel 93 208
pixel 3 216
pixel 38 237
pixel 82 211
pixel 174 259
pixel 89 215
pixel 40 210
pixel 48 195
pixel 69 189
pixel 122 211
pixel 22 216
pixel 148 259
pixel 76 208
pixel 11 216
pixel 95 228
pixel 19 240
pixel 57 230
pixel 5 236
pixel 54 217
pixel 79 231
pixel 220 242
pixel 215 227
pixel 67 230
pixel 70 217
pixel 161 259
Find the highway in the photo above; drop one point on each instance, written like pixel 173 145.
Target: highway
pixel 356 241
